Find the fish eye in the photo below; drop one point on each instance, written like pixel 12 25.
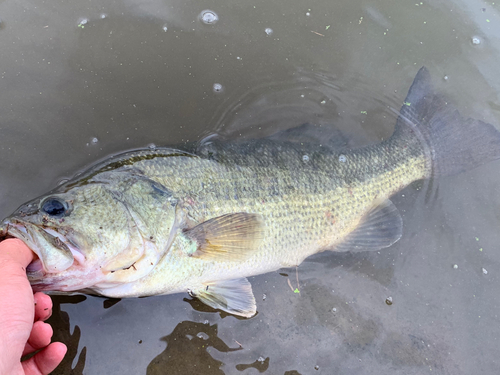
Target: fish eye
pixel 54 207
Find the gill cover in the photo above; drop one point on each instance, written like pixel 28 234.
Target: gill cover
pixel 151 224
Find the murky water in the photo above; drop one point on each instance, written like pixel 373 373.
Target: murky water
pixel 81 80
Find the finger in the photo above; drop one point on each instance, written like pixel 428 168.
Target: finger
pixel 16 297
pixel 40 336
pixel 45 361
pixel 43 306
pixel 16 250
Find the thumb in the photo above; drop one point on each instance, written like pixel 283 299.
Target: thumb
pixel 16 251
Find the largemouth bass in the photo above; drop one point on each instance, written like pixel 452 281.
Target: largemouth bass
pixel 201 221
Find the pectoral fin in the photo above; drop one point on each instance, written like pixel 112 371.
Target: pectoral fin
pixel 381 227
pixel 232 237
pixel 233 296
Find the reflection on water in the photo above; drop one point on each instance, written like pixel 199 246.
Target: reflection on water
pixel 261 365
pixel 189 348
pixel 197 305
pixel 195 339
pixel 109 302
pixel 62 332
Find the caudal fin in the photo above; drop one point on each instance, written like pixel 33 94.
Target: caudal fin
pixel 453 144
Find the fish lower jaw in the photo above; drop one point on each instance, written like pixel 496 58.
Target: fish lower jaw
pixel 42 287
pixel 71 281
pixel 35 270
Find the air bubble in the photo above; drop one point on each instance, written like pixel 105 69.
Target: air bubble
pixel 388 301
pixel 202 335
pixel 455 266
pixel 94 140
pixel 261 359
pixel 264 297
pixel 323 101
pixel 103 16
pixel 476 40
pixel 209 17
pixel 334 310
pixel 152 146
pixel 484 271
pixel 446 78
pixel 316 367
pixel 305 158
pixel 82 22
pixel 268 31
pixel 342 158
pixel 165 28
pixel 308 14
pixel 218 87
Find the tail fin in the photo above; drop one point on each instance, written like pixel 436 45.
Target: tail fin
pixel 452 143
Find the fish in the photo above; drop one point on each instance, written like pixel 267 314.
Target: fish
pixel 204 218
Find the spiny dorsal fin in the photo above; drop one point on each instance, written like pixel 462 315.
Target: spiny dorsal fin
pixel 381 227
pixel 326 135
pixel 228 237
pixel 233 296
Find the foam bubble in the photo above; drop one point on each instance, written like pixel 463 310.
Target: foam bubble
pixel 209 17
pixel 82 22
pixel 217 88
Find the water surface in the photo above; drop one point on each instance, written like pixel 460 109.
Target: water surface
pixel 83 80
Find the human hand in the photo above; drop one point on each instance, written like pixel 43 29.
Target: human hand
pixel 22 315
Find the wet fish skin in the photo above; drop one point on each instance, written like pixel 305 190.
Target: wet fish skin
pixel 166 221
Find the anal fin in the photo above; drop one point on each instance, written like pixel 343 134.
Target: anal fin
pixel 233 296
pixel 381 227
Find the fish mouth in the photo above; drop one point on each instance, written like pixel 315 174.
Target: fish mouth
pixel 53 253
pixel 34 270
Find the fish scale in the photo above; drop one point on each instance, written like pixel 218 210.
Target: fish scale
pixel 288 240
pixel 202 220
